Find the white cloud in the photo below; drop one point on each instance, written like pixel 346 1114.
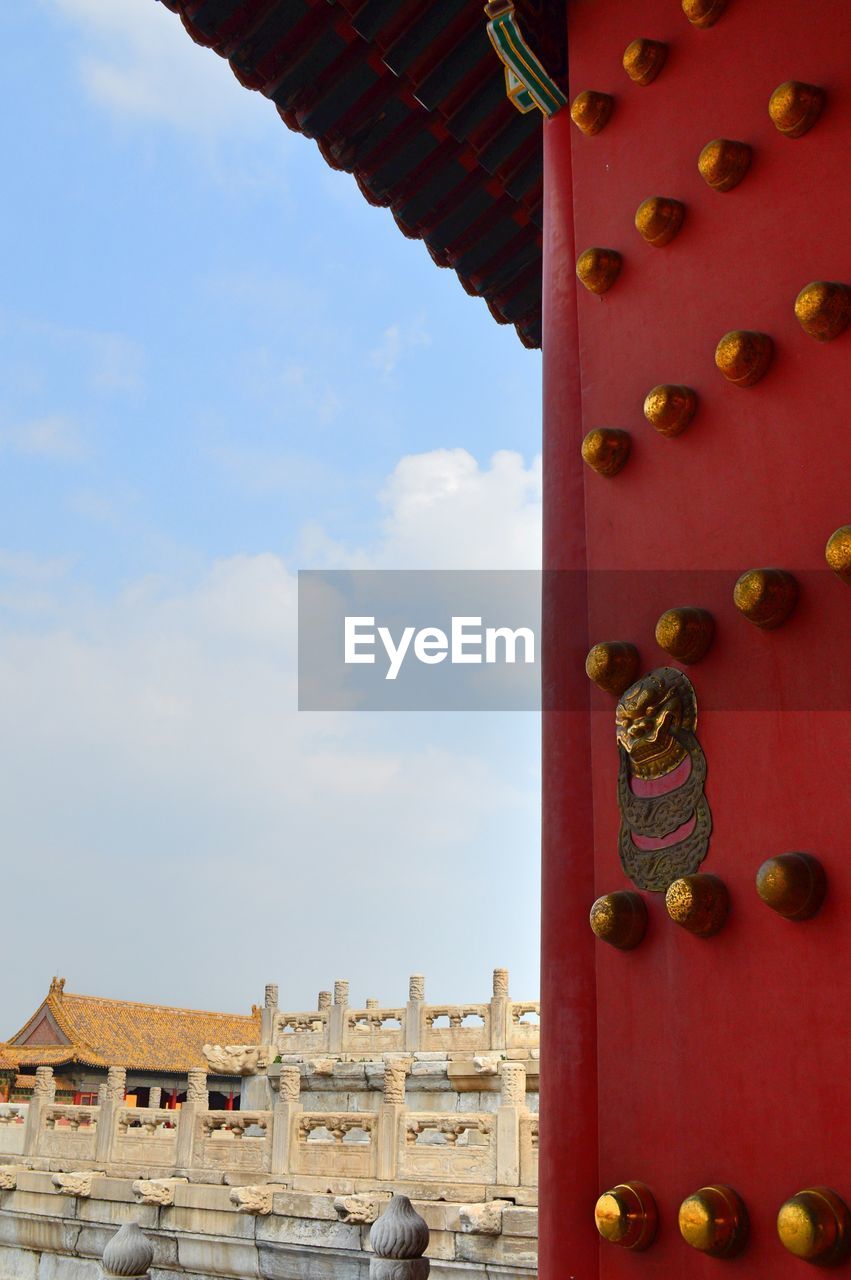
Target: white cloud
pixel 139 62
pixel 160 782
pixel 443 510
pixel 55 437
pixel 396 340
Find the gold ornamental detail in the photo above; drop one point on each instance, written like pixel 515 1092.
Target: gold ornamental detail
pixel 703 13
pixel 815 1225
pixel 686 634
pixel 744 356
pixel 794 107
pixel 723 163
pixel 627 1216
pixel 620 919
pixel 598 269
pixel 766 597
pixel 590 111
pixel 612 665
pixel 699 904
pixel 792 884
pixel 823 309
pixel 658 219
pixel 665 818
pixel 606 450
pixel 837 553
pixel 644 59
pixel 715 1221
pixel 670 408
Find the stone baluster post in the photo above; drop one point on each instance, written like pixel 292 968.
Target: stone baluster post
pixel 414 1012
pixel 267 1016
pixel 500 1009
pixel 399 1239
pixel 197 1101
pixel 512 1104
pixel 324 1000
pixel 46 1083
pixel 337 1017
pixel 44 1092
pixel 371 1003
pixel 128 1253
pixel 197 1093
pixel 110 1102
pixel 155 1098
pixel 390 1111
pixel 286 1107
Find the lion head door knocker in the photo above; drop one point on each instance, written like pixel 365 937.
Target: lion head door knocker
pixel 665 819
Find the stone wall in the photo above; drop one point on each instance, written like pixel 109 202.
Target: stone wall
pixel 55 1228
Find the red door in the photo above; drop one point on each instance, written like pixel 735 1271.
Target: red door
pixel 692 1062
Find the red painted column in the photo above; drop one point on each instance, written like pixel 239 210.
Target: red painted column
pixel 568 1148
pixel 229 1101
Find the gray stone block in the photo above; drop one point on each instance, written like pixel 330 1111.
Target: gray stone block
pixel 278 1263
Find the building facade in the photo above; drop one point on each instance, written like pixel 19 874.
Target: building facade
pixel 80 1037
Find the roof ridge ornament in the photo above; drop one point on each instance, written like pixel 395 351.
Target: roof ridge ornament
pixel 527 82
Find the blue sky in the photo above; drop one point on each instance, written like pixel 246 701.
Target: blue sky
pixel 220 364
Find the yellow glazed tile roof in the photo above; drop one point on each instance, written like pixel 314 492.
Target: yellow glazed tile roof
pixel 26 1083
pixel 122 1033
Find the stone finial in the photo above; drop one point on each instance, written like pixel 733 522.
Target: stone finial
pixel 371 1002
pixel 395 1074
pixel 271 995
pixel 416 987
pixel 128 1253
pixel 513 1084
pixel 290 1086
pixel 341 992
pixel 196 1087
pixel 155 1096
pixel 103 1092
pixel 399 1238
pixel 500 984
pixel 45 1086
pixel 116 1084
pixel 324 1001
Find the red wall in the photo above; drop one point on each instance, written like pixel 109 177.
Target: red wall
pixel 724 1059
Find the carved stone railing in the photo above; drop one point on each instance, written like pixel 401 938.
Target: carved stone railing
pixel 381 1145
pixel 12 1129
pixel 145 1136
pixel 342 1142
pixel 233 1140
pixel 501 1023
pixel 453 1148
pixel 63 1130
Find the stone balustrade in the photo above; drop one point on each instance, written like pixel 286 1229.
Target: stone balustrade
pixel 335 1027
pixel 390 1142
